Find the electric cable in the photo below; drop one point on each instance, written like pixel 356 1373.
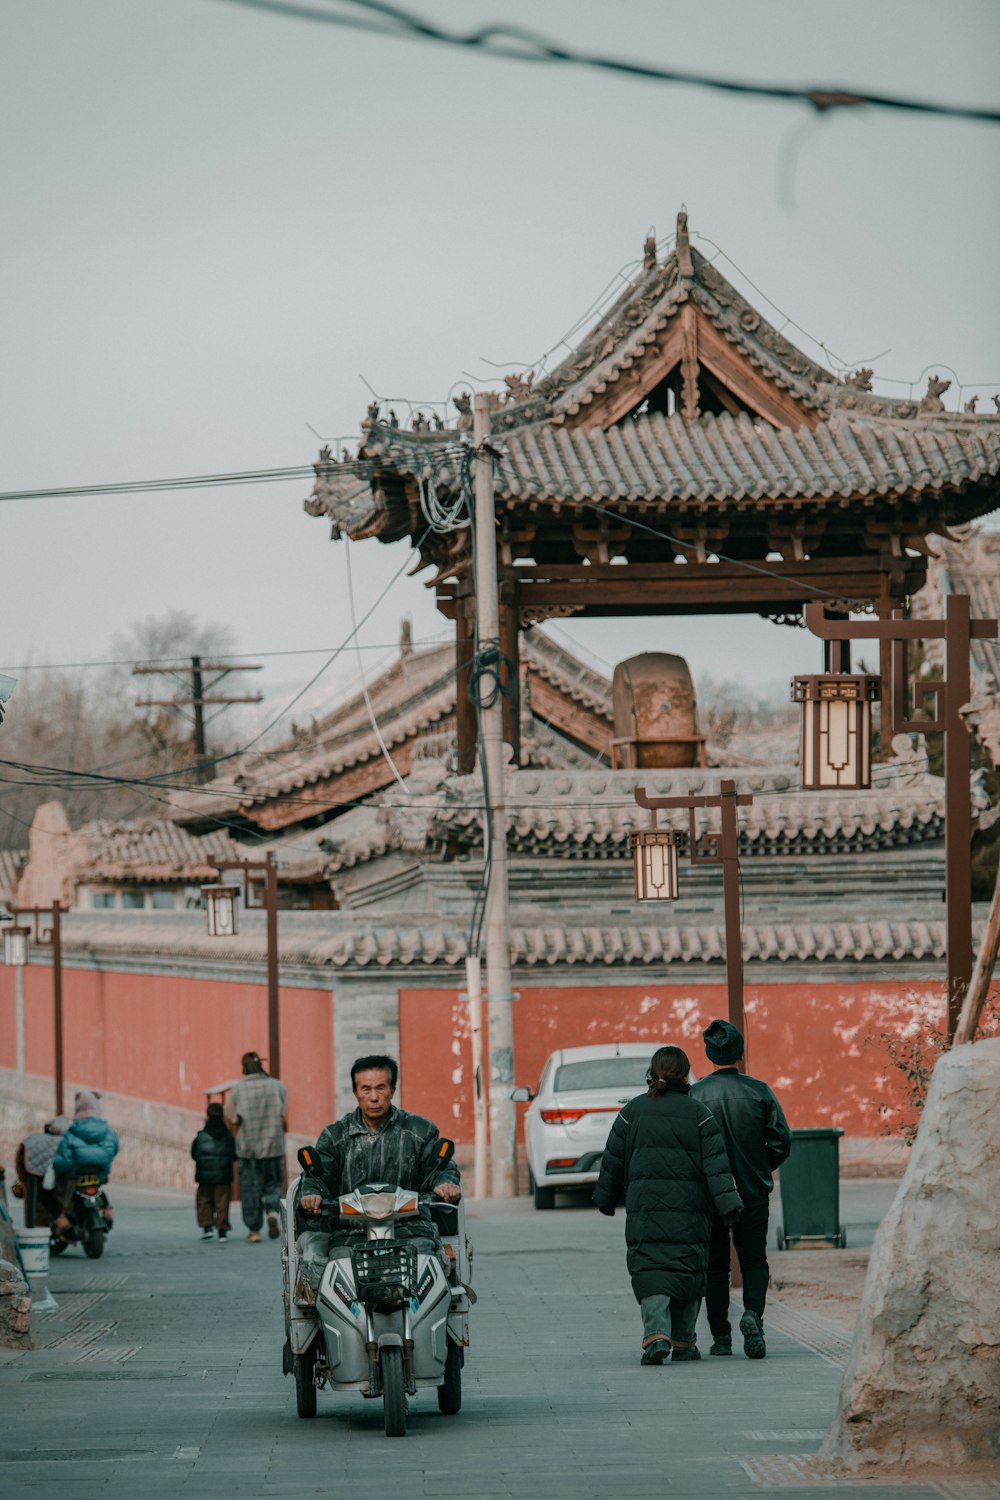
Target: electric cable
pixel 518 44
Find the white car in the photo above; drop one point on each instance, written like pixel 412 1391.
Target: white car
pixel 566 1126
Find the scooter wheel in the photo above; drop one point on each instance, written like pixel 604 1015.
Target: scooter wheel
pixel 305 1390
pixel 450 1389
pixel 393 1391
pixel 93 1244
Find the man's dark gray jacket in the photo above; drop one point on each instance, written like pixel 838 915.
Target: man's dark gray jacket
pixel 404 1152
pixel 753 1127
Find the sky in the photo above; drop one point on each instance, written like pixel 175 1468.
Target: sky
pixel 224 229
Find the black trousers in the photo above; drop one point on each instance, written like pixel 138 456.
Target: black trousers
pixel 749 1238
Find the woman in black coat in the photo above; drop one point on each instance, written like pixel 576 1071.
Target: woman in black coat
pixel 666 1160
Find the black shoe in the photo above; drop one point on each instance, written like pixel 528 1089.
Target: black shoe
pixel 722 1343
pixel 684 1356
pixel 752 1330
pixel 223 1236
pixel 656 1352
pixel 206 1234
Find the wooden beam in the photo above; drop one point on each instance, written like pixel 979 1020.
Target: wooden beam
pixel 754 389
pixel 466 718
pixel 510 639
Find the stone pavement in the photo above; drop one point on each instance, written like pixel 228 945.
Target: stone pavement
pixel 160 1374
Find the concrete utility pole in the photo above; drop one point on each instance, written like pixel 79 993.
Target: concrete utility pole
pixel 499 997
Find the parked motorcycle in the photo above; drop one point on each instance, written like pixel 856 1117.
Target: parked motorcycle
pixel 88 1225
pixel 387 1319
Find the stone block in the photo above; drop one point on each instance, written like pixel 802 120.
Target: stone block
pixel 15 1308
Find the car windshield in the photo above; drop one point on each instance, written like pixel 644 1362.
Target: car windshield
pixel 602 1073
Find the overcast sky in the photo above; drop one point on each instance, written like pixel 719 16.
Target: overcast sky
pixel 218 220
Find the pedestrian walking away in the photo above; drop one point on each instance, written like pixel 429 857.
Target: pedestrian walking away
pixel 666 1161
pixel 757 1141
pixel 256 1110
pixel 214 1152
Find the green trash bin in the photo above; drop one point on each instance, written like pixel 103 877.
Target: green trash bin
pixel 810 1191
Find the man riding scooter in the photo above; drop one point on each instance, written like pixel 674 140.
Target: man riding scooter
pixel 89 1144
pixel 377 1142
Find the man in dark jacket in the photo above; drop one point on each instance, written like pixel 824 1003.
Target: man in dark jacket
pixel 214 1152
pixel 757 1140
pixel 374 1143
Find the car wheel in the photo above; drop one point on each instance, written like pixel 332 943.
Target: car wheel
pixel 545 1197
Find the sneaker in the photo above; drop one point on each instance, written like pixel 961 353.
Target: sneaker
pixel 656 1352
pixel 272 1226
pixel 206 1234
pixel 753 1336
pixel 722 1343
pixel 223 1236
pixel 684 1356
pixel 253 1238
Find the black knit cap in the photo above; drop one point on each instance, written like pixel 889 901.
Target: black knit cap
pixel 723 1043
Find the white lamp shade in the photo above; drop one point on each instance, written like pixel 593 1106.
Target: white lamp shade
pixel 15 946
pixel 655 853
pixel 221 909
pixel 836 730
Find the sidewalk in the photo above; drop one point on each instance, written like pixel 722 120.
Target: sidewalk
pixel 160 1374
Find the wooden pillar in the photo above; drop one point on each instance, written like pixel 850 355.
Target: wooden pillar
pixel 510 646
pixel 466 719
pixel 885 728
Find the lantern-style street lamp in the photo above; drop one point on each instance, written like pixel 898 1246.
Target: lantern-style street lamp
pixel 222 914
pixel 945 701
pixel 15 946
pixel 655 854
pixel 654 851
pixel 47 933
pixel 222 909
pixel 836 729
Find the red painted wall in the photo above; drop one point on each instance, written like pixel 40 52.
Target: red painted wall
pixel 167 1039
pixel 807 1041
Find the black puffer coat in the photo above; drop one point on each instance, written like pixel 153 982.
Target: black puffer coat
pixel 665 1159
pixel 214 1151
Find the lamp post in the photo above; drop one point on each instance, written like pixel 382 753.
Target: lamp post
pixel 223 921
pixel 945 701
pixel 655 854
pixel 47 933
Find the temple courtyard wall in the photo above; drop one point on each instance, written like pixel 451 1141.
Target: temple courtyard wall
pixel 155 1033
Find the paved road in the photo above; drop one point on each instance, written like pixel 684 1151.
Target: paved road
pixel 160 1374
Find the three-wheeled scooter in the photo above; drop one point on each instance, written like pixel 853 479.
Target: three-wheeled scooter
pixel 387 1319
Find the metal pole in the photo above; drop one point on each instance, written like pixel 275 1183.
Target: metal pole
pixel 958 805
pixel 271 906
pixel 57 1001
pixel 19 1018
pixel 498 979
pixel 474 987
pixel 729 848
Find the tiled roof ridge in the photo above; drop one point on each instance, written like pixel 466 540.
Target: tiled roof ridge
pixel 429 942
pixel 557 665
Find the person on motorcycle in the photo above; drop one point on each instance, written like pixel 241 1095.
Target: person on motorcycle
pixel 376 1142
pixel 33 1159
pixel 88 1143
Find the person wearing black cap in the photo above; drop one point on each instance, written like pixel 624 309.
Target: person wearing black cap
pixel 757 1140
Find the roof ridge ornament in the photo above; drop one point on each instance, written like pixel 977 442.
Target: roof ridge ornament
pixel 685 264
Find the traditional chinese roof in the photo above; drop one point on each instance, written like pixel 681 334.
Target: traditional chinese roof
pixel 11 862
pixel 339 760
pixel 149 850
pixel 753 423
pixel 588 815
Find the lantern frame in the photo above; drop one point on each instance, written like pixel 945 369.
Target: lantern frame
pixel 836 739
pixel 656 875
pixel 222 912
pixel 16 945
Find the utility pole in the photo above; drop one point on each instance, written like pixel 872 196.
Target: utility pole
pixel 201 695
pixel 499 997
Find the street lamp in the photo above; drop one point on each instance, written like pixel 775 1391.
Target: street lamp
pixel 15 946
pixel 223 921
pixel 836 730
pixel 16 942
pixel 655 854
pixel 654 851
pixel 945 701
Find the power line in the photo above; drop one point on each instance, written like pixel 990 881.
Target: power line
pixel 518 44
pixel 423 643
